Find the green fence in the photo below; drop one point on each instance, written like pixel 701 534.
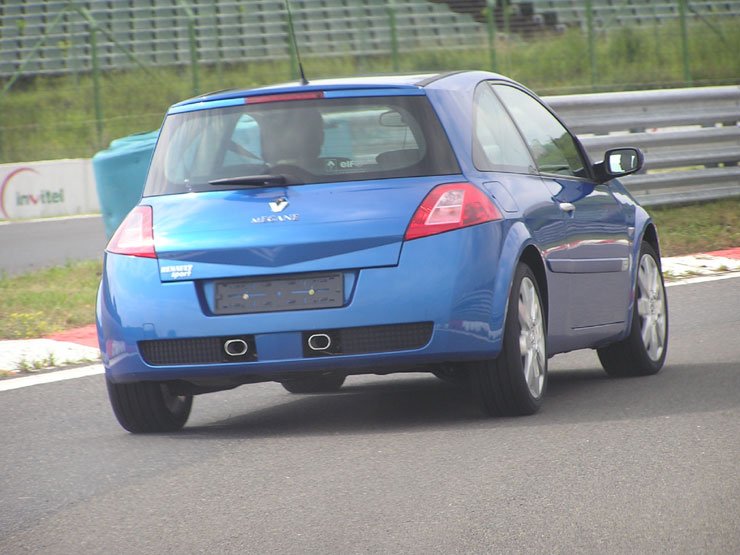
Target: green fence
pixel 77 74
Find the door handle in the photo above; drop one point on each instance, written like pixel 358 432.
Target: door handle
pixel 567 207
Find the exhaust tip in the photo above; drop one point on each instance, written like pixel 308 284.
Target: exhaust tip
pixel 319 342
pixel 236 347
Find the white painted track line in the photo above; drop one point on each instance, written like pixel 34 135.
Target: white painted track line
pixel 49 377
pixel 50 219
pixel 702 279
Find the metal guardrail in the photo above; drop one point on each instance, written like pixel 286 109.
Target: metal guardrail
pixel 690 137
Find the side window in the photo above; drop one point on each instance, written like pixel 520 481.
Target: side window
pixel 497 145
pixel 551 144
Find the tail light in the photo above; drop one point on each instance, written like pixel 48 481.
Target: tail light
pixel 135 236
pixel 451 206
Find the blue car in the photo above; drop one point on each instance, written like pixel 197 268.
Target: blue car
pixel 444 223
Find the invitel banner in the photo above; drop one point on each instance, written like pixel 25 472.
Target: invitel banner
pixel 42 189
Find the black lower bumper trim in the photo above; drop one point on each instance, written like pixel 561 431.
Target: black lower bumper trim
pixel 367 339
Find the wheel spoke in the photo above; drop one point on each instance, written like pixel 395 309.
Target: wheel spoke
pixel 654 341
pixel 661 303
pixel 536 312
pixel 539 351
pixel 540 362
pixel 647 269
pixel 523 315
pixel 660 323
pixel 650 341
pixel 654 278
pixel 532 375
pixel 646 332
pixel 642 279
pixel 523 344
pixel 525 296
pixel 643 307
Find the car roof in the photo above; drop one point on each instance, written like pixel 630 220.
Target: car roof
pixel 442 80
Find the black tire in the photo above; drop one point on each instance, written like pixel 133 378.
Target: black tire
pixel 325 383
pixel 632 356
pixel 500 385
pixel 454 376
pixel 148 407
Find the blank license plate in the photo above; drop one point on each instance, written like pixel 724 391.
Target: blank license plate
pixel 305 292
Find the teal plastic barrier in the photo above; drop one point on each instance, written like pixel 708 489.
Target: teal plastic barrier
pixel 120 173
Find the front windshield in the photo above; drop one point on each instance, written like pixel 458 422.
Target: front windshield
pixel 307 141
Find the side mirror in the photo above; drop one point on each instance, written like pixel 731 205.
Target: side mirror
pixel 619 162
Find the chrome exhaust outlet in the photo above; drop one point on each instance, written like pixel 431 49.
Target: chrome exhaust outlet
pixel 236 347
pixel 319 342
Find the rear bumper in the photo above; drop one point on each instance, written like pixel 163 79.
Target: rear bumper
pixel 446 280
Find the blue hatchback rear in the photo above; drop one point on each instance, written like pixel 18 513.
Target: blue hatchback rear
pixel 304 233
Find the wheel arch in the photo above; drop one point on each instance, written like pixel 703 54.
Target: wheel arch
pixel 531 257
pixel 650 235
pixel 518 246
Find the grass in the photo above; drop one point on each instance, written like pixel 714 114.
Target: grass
pixel 53 117
pixel 698 228
pixel 47 301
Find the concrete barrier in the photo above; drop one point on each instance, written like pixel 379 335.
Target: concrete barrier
pixel 51 188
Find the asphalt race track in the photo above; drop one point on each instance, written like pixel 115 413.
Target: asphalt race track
pixel 28 246
pixel 399 464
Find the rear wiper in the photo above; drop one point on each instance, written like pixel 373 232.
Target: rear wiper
pixel 251 180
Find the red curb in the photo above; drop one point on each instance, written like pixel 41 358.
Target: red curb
pixel 87 335
pixel 726 253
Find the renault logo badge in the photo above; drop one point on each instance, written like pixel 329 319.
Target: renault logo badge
pixel 279 204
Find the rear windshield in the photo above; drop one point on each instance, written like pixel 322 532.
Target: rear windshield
pixel 304 141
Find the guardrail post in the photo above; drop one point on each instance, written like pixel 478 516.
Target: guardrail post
pixel 292 47
pixel 364 45
pixel 491 28
pixel 591 41
pixel 684 43
pixel 2 130
pixel 505 7
pixel 193 55
pixel 391 9
pixel 96 84
pixel 193 43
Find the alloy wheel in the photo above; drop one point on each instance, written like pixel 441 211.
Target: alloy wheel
pixel 651 307
pixel 531 337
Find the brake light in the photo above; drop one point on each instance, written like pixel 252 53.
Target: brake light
pixel 311 95
pixel 451 206
pixel 135 236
